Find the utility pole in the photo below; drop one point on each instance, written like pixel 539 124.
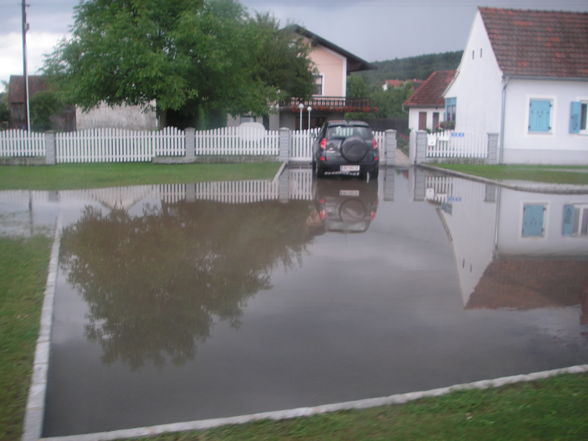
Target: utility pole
pixel 25 28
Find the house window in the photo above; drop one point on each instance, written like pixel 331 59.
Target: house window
pixel 318 84
pixel 450 109
pixel 533 220
pixel 575 220
pixel 540 115
pixel 578 117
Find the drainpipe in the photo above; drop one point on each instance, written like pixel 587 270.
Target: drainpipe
pixel 505 80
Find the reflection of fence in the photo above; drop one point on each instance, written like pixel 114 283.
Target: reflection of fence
pixel 438 188
pixel 233 192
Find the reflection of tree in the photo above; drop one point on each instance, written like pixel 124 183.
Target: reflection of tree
pixel 155 283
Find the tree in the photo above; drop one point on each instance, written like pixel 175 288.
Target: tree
pixel 388 102
pixel 156 283
pixel 44 105
pixel 4 109
pixel 188 57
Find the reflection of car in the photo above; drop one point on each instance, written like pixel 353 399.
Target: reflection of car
pixel 346 205
pixel 346 147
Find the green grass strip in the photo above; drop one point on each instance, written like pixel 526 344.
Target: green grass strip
pixel 23 273
pixel 577 175
pixel 78 176
pixel 551 409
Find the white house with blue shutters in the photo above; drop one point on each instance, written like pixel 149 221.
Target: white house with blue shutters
pixel 524 75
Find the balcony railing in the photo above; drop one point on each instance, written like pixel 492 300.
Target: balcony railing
pixel 331 104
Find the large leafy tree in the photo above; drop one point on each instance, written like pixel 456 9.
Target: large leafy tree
pixel 188 57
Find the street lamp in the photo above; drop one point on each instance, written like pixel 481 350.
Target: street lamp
pixel 309 110
pixel 301 108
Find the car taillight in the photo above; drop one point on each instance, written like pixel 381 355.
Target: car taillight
pixel 374 143
pixel 323 143
pixel 322 158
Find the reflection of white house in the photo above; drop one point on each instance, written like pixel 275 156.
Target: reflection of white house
pixel 524 74
pixel 514 249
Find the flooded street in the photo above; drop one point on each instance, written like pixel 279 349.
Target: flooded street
pixel 185 302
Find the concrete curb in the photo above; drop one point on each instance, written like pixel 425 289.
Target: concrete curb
pixel 539 188
pixel 35 409
pixel 317 410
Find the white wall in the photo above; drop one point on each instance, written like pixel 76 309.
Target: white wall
pixel 556 147
pixel 120 117
pixel 477 84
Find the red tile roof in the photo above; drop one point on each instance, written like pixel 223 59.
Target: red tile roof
pixel 548 44
pixel 526 283
pixel 430 93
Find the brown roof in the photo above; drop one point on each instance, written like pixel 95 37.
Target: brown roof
pixel 37 83
pixel 430 93
pixel 547 44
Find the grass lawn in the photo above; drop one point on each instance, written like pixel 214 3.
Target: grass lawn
pixel 77 176
pixel 23 273
pixel 537 173
pixel 552 409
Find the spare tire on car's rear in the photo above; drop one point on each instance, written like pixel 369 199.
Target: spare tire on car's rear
pixel 354 149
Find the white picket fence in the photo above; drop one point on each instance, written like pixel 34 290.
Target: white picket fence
pixel 452 144
pixel 20 143
pixel 302 142
pixel 118 145
pixel 240 140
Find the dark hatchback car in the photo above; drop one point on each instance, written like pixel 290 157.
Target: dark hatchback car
pixel 346 148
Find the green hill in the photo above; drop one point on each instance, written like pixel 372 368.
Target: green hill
pixel 419 67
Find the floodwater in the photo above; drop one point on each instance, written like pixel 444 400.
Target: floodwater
pixel 185 302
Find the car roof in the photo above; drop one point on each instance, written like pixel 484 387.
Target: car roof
pixel 344 122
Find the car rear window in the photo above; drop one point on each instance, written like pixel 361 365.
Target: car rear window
pixel 346 131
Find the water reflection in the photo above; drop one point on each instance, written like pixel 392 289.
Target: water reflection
pixel 155 283
pixel 346 205
pixel 514 249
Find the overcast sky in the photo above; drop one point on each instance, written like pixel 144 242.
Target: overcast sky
pixel 371 29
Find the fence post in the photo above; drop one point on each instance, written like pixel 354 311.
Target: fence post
pixel 421 147
pixel 389 178
pixel 189 143
pixel 492 155
pixel 390 147
pixel 50 148
pixel 285 142
pixel 284 186
pixel 420 184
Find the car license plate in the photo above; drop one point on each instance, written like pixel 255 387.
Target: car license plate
pixel 349 168
pixel 349 193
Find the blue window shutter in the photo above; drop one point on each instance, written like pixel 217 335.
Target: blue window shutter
pixel 533 220
pixel 575 114
pixel 540 116
pixel 567 227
